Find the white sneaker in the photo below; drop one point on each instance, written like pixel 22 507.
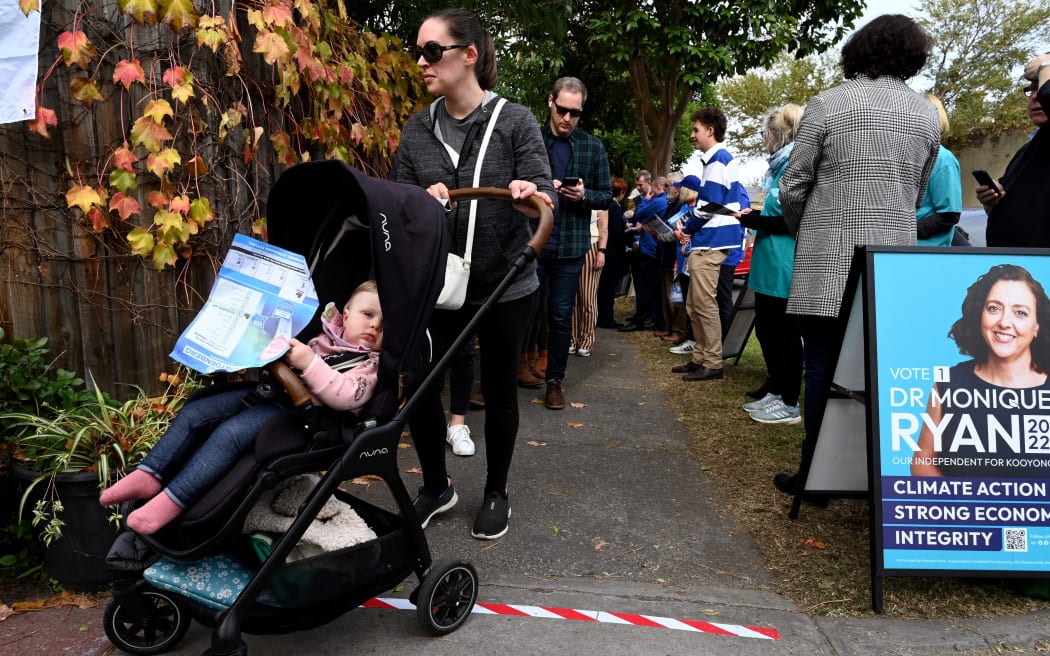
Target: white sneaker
pixel 459 438
pixel 572 350
pixel 778 413
pixel 685 348
pixel 583 353
pixel 762 403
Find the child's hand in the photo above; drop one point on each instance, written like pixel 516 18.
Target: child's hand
pixel 299 355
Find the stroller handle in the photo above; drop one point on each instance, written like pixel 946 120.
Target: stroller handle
pixel 546 220
pixel 291 382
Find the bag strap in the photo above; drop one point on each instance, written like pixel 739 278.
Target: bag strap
pixel 477 177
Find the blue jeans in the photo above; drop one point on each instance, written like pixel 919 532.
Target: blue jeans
pixel 189 472
pixel 562 277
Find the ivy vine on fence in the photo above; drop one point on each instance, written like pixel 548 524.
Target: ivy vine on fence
pixel 205 100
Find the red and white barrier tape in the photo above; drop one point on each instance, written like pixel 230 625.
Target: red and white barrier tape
pixel 697 626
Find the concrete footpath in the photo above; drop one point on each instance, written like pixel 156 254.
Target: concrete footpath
pixel 611 513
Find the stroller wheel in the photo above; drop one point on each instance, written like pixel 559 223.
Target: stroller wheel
pixel 163 620
pixel 446 596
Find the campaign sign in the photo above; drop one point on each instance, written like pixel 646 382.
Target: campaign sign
pixel 960 414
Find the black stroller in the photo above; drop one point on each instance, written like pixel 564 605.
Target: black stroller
pixel 322 210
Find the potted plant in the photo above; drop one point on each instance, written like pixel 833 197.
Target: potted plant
pixel 67 455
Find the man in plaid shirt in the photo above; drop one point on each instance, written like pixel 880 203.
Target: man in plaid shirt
pixel 575 156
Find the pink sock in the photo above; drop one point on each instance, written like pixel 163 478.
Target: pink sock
pixel 138 484
pixel 155 515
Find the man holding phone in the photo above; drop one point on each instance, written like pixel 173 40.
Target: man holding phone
pixel 580 169
pixel 1018 205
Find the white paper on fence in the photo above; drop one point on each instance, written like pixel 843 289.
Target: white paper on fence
pixel 262 296
pixel 19 45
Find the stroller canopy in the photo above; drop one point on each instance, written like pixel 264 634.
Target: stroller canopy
pixel 351 227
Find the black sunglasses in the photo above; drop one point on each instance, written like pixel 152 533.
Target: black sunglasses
pixel 1030 88
pixel 432 51
pixel 575 113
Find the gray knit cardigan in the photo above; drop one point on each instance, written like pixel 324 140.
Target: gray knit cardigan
pixel 515 152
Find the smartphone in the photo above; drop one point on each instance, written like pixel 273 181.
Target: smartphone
pixel 982 178
pixel 570 182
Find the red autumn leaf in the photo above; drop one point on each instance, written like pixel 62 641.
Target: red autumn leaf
pixel 124 158
pixel 178 13
pixel 77 49
pixel 180 204
pixel 124 205
pixel 44 117
pixel 157 200
pixel 127 72
pixel 99 219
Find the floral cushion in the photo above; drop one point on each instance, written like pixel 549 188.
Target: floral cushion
pixel 214 581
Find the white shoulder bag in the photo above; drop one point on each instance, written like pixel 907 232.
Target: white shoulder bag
pixel 457 269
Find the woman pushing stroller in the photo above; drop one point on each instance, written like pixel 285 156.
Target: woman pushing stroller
pixel 338 367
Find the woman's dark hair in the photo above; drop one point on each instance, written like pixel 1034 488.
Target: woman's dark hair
pixel 966 331
pixel 464 27
pixel 892 45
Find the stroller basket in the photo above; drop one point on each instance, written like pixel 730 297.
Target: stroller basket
pixel 369 567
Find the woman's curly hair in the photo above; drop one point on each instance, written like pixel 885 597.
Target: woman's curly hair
pixel 966 331
pixel 892 45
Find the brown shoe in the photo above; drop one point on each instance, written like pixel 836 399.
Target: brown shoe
pixel 477 400
pixel 703 373
pixel 525 377
pixel 660 333
pixel 555 399
pixel 677 338
pixel 685 368
pixel 539 366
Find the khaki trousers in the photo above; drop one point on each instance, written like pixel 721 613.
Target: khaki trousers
pixel 702 306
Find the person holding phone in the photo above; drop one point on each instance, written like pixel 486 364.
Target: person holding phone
pixel 1018 205
pixel 575 157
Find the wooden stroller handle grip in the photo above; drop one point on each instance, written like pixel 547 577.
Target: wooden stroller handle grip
pixel 546 220
pixel 291 382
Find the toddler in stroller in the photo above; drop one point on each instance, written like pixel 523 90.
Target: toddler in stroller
pixel 338 367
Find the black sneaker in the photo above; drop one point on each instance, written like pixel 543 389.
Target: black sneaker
pixel 427 505
pixel 492 520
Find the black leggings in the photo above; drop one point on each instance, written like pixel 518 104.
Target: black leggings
pixel 780 337
pixel 500 335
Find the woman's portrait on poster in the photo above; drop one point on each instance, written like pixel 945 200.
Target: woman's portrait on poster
pixel 992 412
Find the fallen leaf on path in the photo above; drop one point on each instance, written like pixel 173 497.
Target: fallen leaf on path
pixel 600 545
pixel 578 405
pixel 365 480
pixel 402 445
pixel 814 543
pixel 535 443
pixel 32 604
pixel 5 612
pixel 536 402
pixel 413 470
pixel 575 424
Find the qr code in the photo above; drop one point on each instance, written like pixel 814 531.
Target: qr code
pixel 1015 539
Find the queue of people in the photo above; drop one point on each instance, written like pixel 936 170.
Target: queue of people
pixel 872 138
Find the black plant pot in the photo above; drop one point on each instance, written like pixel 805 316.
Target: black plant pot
pixel 77 559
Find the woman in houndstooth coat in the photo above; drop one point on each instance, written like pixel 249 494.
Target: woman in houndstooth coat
pixel 863 155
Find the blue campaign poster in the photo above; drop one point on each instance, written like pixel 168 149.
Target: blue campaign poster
pixel 961 410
